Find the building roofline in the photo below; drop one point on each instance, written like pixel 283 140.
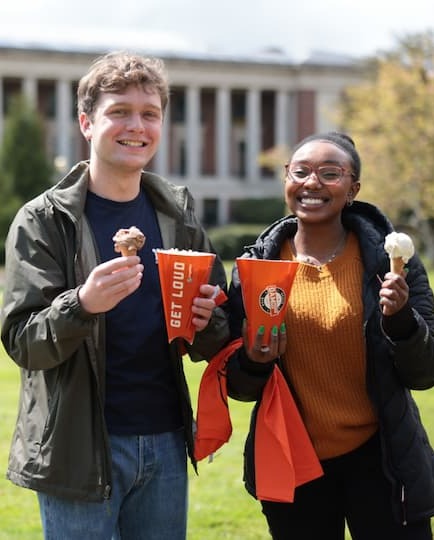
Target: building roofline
pixel 266 58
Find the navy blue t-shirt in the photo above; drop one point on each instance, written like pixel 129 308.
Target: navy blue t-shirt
pixel 141 396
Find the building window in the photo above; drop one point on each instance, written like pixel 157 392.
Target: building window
pixel 268 113
pixel 47 99
pixel 177 106
pixel 238 134
pixel 207 108
pixel 11 88
pixel 238 106
pixel 210 212
pixel 74 101
pixel 177 143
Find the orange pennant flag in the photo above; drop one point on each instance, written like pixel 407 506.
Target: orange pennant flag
pixel 214 426
pixel 284 455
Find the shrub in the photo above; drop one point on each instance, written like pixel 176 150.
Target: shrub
pixel 257 210
pixel 229 241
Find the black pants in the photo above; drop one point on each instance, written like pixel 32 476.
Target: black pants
pixel 353 489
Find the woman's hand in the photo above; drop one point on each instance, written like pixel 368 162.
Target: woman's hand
pixel 393 293
pixel 263 353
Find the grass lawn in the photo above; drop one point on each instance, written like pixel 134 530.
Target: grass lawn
pixel 219 508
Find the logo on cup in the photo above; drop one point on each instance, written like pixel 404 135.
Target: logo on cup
pixel 272 300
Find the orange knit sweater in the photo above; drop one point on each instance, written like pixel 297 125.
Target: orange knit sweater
pixel 325 356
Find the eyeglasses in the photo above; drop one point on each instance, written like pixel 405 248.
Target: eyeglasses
pixel 326 174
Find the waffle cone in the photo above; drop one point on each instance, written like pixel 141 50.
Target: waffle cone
pixel 397 265
pixel 127 252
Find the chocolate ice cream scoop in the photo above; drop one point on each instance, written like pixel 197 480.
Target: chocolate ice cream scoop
pixel 128 241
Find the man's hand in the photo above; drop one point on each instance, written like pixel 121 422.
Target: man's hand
pixel 109 283
pixel 203 306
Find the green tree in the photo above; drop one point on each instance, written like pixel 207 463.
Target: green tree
pixel 8 209
pixel 391 118
pixel 23 156
pixel 25 170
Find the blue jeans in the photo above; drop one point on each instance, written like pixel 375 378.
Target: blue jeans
pixel 148 499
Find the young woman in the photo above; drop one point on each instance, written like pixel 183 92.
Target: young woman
pixel 356 339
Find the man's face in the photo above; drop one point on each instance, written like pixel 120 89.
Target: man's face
pixel 124 129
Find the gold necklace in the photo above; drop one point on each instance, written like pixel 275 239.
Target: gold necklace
pixel 308 259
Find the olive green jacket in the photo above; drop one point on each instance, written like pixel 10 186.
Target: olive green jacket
pixel 60 444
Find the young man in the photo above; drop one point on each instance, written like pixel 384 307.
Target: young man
pixel 104 415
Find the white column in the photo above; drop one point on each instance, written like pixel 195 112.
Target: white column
pixel 281 119
pixel 162 155
pixel 223 211
pixel 223 133
pixel 63 121
pixel 30 91
pixel 198 207
pixel 253 134
pixel 192 139
pixel 281 130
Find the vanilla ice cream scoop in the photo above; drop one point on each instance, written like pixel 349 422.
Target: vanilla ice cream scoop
pixel 400 248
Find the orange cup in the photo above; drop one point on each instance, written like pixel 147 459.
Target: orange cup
pixel 265 285
pixel 181 274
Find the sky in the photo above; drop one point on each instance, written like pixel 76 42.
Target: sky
pixel 219 27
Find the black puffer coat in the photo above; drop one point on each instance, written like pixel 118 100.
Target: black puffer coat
pixel 393 368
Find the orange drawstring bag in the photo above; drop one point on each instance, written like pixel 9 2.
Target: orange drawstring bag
pixel 284 455
pixel 214 426
pixel 181 274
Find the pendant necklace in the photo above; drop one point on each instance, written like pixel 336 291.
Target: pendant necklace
pixel 315 262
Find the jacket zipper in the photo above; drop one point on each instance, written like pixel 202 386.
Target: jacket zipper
pixel 107 492
pixel 402 494
pixel 404 513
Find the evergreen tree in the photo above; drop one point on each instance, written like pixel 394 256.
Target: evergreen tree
pixel 8 208
pixel 25 170
pixel 23 157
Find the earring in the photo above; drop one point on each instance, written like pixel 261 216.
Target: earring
pixel 349 202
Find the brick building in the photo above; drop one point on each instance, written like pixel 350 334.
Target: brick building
pixel 223 112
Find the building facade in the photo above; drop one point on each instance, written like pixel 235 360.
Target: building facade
pixel 222 113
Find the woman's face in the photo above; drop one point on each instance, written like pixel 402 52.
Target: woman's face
pixel 311 199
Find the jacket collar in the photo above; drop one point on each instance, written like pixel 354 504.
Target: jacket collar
pixel 69 194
